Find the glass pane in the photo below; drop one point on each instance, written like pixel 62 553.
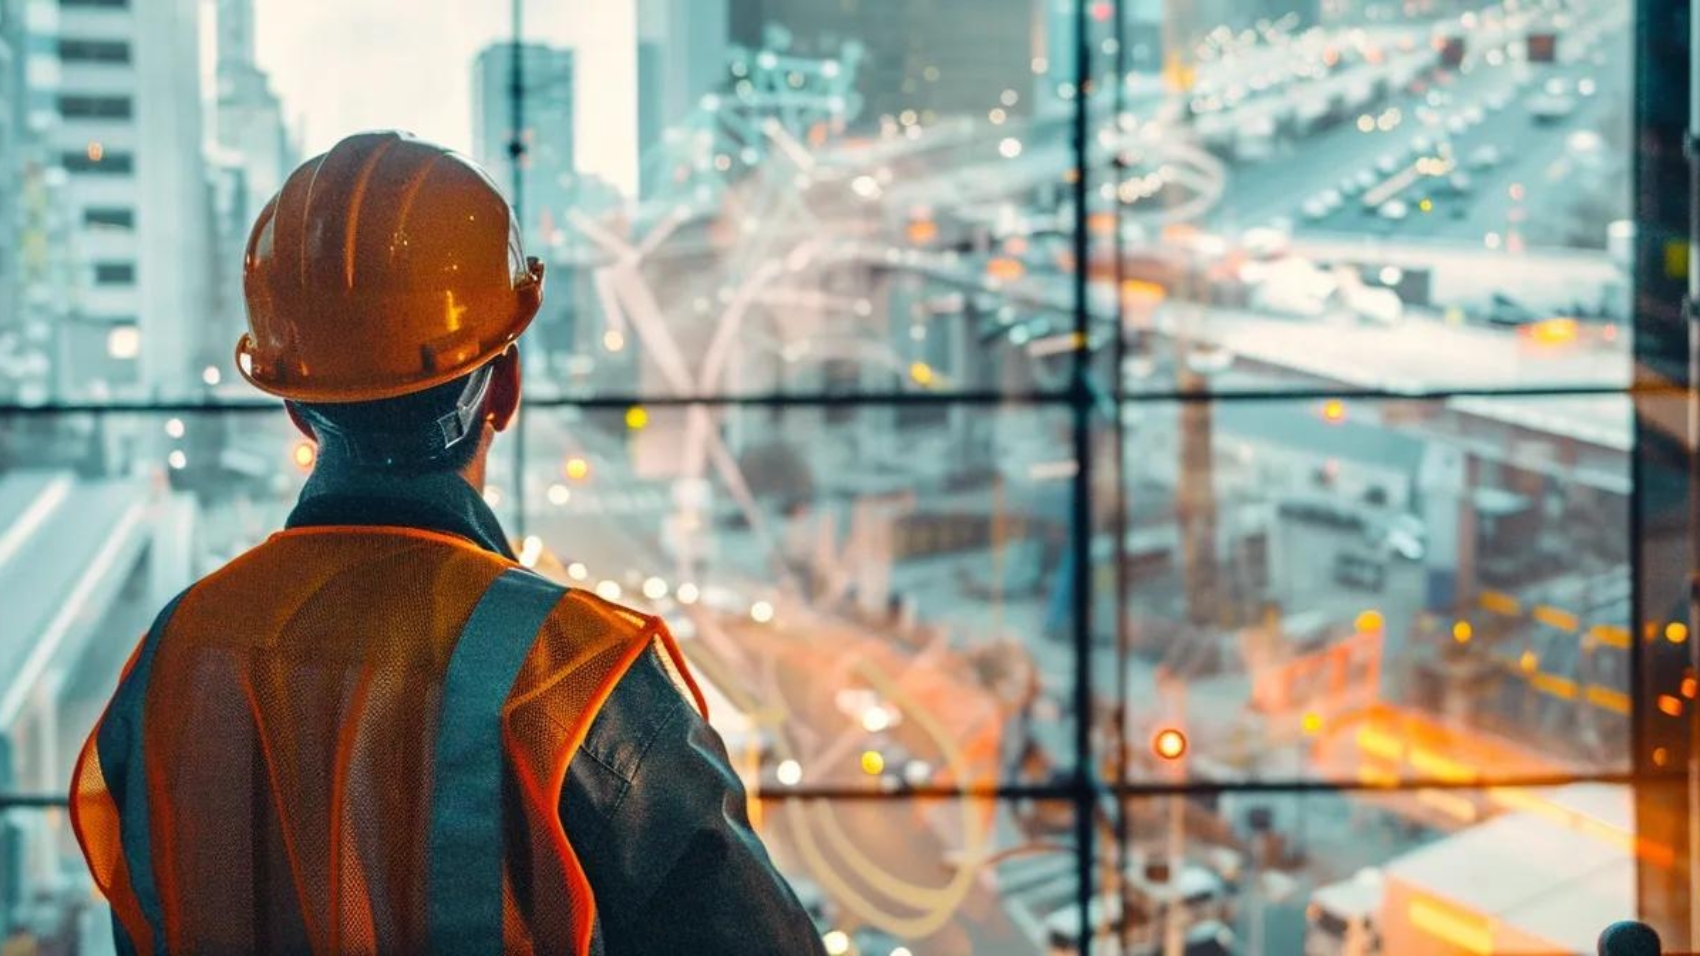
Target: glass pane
pixel 890 877
pixel 877 617
pixel 800 197
pixel 1366 591
pixel 1508 870
pixel 103 518
pixel 1376 195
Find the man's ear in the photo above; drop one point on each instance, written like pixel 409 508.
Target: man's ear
pixel 300 421
pixel 504 389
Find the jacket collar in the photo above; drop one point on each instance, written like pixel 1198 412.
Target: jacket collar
pixel 341 494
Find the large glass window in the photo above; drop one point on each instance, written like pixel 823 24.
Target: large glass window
pixel 1131 476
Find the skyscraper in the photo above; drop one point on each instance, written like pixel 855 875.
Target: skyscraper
pixel 548 183
pixel 117 107
pixel 689 41
pixel 248 121
pixel 547 174
pixel 11 35
pixel 249 163
pixel 940 58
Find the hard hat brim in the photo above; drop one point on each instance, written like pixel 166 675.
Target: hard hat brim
pixel 530 301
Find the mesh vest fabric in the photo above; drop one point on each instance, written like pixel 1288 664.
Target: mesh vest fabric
pixel 289 729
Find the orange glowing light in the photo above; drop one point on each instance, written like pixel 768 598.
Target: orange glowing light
pixel 1670 706
pixel 1101 223
pixel 636 418
pixel 1005 268
pixel 96 151
pixel 1555 331
pixel 577 469
pixel 1370 621
pixel 872 763
pixel 1142 293
pixel 1528 662
pixel 1333 411
pixel 1462 632
pixel 1676 632
pixel 922 231
pixel 1169 744
pixel 1690 687
pixel 306 453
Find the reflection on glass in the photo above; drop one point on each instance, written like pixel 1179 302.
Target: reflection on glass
pixel 1373 591
pixel 743 196
pixel 1542 870
pixel 863 616
pixel 928 876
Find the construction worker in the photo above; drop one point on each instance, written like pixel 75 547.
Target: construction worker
pixel 376 732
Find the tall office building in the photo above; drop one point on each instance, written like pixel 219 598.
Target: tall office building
pixel 682 47
pixel 248 121
pixel 250 158
pixel 117 106
pixel 949 57
pixel 547 177
pixel 549 184
pixel 11 130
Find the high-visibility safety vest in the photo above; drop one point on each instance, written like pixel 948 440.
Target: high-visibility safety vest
pixel 354 740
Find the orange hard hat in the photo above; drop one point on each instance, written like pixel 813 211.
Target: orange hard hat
pixel 383 267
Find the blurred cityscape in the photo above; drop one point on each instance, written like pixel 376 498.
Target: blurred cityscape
pixel 1350 286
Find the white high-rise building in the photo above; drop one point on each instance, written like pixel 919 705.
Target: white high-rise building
pixel 681 56
pixel 114 96
pixel 249 118
pixel 250 159
pixel 11 130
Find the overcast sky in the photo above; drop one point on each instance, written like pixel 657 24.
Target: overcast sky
pixel 371 64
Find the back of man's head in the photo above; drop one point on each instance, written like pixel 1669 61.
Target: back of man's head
pixel 436 429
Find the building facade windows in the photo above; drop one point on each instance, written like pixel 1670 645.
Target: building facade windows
pixel 73 50
pixel 109 163
pixel 110 217
pixel 96 107
pixel 115 273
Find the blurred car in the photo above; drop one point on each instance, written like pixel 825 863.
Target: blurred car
pixel 1550 108
pixel 1400 536
pixel 1486 157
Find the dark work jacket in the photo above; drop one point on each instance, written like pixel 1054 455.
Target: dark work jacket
pixel 651 803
